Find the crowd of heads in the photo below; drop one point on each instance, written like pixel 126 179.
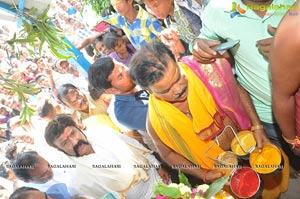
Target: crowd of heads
pixel 60 99
pixel 105 76
pixel 16 138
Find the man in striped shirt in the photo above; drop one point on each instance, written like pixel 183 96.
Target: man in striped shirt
pixel 139 26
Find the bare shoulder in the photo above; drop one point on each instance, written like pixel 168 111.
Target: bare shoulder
pixel 289 29
pixel 284 57
pixel 286 43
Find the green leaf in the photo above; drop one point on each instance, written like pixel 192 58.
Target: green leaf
pixel 20 89
pixel 41 28
pixel 59 55
pixel 215 187
pixel 41 46
pixel 164 190
pixel 26 114
pixel 32 10
pixel 183 179
pixel 98 5
pixel 27 27
pixel 22 41
pixel 44 14
pixel 31 52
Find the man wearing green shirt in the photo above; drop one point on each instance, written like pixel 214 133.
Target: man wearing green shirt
pixel 253 23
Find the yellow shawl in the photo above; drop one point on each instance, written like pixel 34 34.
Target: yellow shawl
pixel 190 138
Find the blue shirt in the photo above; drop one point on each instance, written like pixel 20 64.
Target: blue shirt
pixel 71 11
pixel 131 111
pixel 58 191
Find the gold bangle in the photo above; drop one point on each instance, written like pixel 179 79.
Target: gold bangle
pixel 295 142
pixel 288 140
pixel 257 127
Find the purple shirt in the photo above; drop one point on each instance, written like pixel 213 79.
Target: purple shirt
pixel 127 59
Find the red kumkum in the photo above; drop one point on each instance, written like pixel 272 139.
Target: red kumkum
pixel 245 182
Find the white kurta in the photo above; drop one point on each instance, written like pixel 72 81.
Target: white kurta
pixel 114 167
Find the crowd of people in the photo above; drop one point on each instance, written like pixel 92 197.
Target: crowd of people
pixel 157 97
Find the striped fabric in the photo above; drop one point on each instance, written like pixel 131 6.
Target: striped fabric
pixel 144 28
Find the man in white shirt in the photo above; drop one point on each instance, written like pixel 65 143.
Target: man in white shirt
pixel 105 159
pixel 37 172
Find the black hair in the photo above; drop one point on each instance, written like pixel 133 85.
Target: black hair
pixel 107 11
pixel 98 39
pixel 23 163
pixel 56 127
pixel 63 91
pixel 94 92
pixel 149 63
pixel 99 71
pixel 110 40
pixel 22 193
pixel 45 109
pixel 89 50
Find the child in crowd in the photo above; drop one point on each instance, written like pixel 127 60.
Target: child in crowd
pixel 122 51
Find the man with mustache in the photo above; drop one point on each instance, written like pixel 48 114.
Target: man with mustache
pixel 185 118
pixel 85 107
pixel 75 99
pixel 106 161
pixel 129 104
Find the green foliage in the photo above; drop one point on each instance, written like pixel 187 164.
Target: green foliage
pixel 164 190
pixel 183 179
pixel 98 5
pixel 185 190
pixel 38 30
pixel 181 190
pixel 21 90
pixel 215 187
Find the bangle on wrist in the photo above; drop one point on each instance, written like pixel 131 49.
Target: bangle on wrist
pixel 295 142
pixel 257 127
pixel 204 174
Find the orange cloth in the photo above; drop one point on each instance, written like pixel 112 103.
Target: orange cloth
pixel 185 136
pixel 274 185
